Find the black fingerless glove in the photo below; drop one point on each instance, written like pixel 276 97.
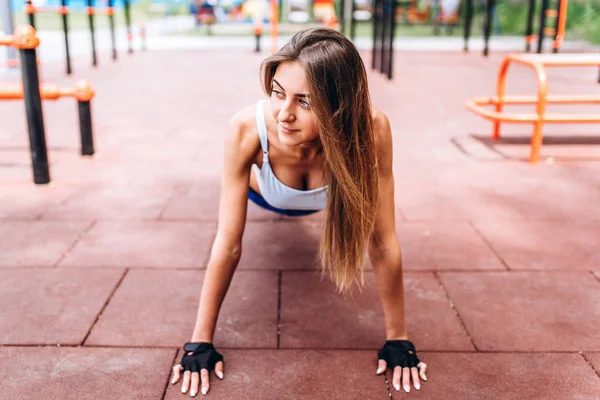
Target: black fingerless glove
pixel 200 355
pixel 399 353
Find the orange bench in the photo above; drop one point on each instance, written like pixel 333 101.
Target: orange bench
pixel 539 63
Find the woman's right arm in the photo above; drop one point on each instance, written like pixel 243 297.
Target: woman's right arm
pixel 226 251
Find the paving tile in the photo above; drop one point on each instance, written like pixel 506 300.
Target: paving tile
pixel 83 373
pixel 50 306
pixel 314 316
pixel 111 202
pixel 527 311
pixel 531 244
pixel 159 308
pixel 295 374
pixel 280 245
pixel 201 202
pixel 37 243
pixel 505 377
pixel 26 201
pixel 594 359
pixel 444 245
pixel 143 244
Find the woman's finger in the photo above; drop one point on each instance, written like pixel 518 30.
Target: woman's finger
pixel 422 368
pixel 415 377
pixel 396 377
pixel 176 373
pixel 195 383
pixel 186 381
pixel 406 379
pixel 382 366
pixel 204 376
pixel 219 369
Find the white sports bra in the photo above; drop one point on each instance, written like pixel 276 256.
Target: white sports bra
pixel 272 190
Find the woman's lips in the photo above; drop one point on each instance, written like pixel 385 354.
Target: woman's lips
pixel 286 130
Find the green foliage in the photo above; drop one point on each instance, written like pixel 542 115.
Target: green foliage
pixel 583 19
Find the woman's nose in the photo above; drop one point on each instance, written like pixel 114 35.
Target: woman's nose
pixel 285 114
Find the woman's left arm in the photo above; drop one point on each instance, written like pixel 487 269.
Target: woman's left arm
pixel 398 354
pixel 383 248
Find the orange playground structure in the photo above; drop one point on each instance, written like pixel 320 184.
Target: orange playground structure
pixel 539 63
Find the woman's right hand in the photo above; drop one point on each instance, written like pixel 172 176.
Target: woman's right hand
pixel 198 360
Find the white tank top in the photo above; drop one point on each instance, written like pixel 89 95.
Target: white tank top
pixel 272 190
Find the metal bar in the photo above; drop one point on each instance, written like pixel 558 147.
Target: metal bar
pixel 85 128
pixel 30 10
pixel 540 43
pixel 529 29
pixel 35 117
pixel 383 55
pixel 65 24
pixel 467 23
pixel 90 12
pixel 487 27
pixel 392 30
pixel 352 22
pixel 376 26
pixel 128 23
pixel 111 22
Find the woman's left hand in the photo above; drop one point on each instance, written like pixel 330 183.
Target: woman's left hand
pixel 401 356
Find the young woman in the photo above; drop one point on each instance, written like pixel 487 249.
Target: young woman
pixel 315 144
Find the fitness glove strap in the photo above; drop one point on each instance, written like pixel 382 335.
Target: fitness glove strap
pixel 204 357
pixel 399 353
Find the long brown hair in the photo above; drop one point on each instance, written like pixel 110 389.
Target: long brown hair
pixel 342 107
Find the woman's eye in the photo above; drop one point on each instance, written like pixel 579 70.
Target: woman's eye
pixel 304 103
pixel 276 93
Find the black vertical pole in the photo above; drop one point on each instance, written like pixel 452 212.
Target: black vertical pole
pixel 111 21
pixel 487 27
pixel 392 30
pixel 91 22
pixel 128 23
pixel 542 25
pixel 30 13
pixel 384 28
pixel 376 27
pixel 65 22
pixel 467 23
pixel 85 128
pixel 529 29
pixel 556 24
pixel 35 117
pixel 352 22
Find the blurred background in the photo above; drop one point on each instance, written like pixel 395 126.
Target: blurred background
pixel 234 17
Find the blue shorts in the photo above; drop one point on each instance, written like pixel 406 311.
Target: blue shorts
pixel 259 200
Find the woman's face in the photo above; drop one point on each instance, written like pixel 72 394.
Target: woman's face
pixel 291 106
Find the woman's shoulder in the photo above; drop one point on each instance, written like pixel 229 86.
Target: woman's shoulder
pixel 382 133
pixel 243 133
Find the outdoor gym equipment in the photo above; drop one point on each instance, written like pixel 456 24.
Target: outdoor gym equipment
pixel 26 41
pixel 487 24
pixel 539 63
pixel 384 27
pixel 557 32
pixel 90 11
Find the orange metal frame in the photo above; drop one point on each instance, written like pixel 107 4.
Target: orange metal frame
pixel 81 92
pixel 538 62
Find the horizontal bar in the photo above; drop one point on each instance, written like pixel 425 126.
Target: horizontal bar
pixel 531 117
pixel 556 99
pixel 557 60
pixel 47 91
